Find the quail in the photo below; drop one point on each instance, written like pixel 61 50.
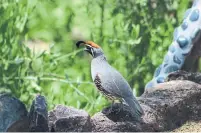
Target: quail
pixel 108 80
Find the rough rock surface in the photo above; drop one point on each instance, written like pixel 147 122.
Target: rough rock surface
pixel 167 106
pixel 183 75
pixel 190 126
pixel 12 112
pixel 174 102
pixel 38 115
pixel 15 118
pixel 115 118
pixel 68 119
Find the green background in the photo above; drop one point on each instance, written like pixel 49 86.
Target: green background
pixel 134 34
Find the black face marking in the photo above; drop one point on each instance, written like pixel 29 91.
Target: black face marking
pixel 89 49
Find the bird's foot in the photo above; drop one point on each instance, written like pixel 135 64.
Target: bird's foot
pixel 119 109
pixel 107 111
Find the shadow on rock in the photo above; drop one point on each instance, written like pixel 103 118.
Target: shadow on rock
pixel 119 112
pixel 13 114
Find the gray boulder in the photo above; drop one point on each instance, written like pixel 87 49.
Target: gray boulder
pixel 38 115
pixel 68 119
pixel 13 114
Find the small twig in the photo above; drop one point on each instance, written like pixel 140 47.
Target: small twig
pixel 53 79
pixel 54 75
pixel 68 55
pixel 60 80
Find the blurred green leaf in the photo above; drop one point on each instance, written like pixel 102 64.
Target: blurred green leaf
pixel 134 34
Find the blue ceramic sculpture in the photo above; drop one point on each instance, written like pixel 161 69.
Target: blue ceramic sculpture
pixel 183 42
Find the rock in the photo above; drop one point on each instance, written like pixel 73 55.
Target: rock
pixel 68 119
pixel 21 125
pixel 183 75
pixel 38 115
pixel 119 112
pixel 120 119
pixel 101 123
pixel 13 114
pixel 168 106
pixel 174 103
pixel 191 126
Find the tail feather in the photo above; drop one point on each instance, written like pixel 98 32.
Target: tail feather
pixel 135 106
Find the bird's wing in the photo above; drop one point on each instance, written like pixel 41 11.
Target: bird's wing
pixel 126 93
pixel 106 86
pixel 114 83
pixel 120 84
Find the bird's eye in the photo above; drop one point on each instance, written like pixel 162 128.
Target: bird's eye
pixel 88 47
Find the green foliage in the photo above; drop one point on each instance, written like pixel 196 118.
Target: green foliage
pixel 134 35
pixel 14 16
pixel 157 21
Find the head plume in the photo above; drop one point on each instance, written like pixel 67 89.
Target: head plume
pixel 91 43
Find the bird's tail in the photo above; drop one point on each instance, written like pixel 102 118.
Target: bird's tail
pixel 135 106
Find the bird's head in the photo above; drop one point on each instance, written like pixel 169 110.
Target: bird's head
pixel 91 47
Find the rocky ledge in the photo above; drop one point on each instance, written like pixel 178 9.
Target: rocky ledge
pixel 167 106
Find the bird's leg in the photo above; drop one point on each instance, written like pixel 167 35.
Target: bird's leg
pixel 111 108
pixel 120 107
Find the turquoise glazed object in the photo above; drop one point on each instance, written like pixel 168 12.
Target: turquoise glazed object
pixel 182 45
